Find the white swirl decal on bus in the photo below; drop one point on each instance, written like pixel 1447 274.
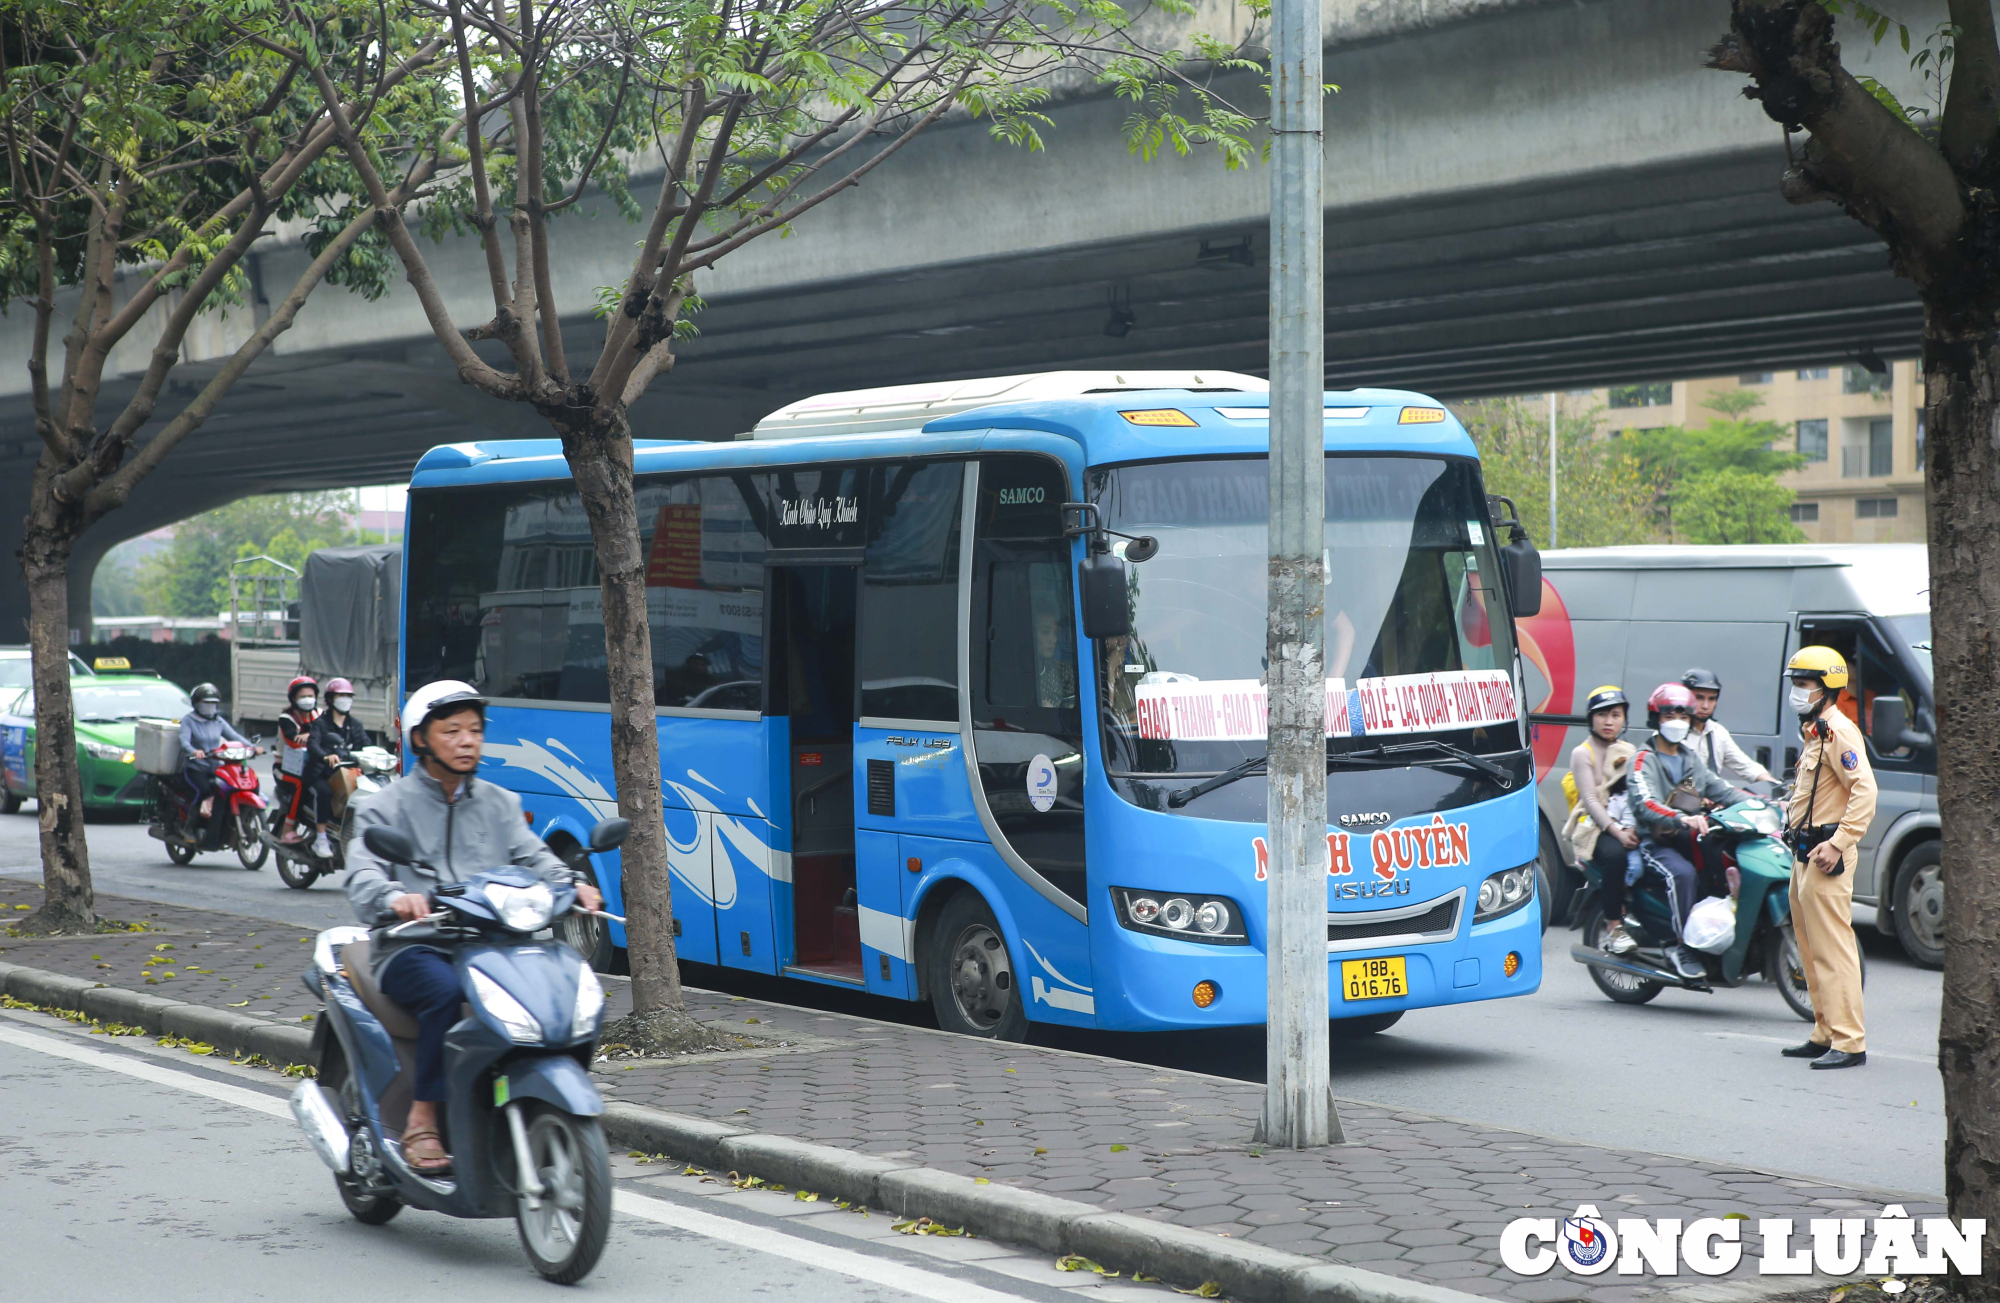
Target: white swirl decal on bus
pixel 1235 710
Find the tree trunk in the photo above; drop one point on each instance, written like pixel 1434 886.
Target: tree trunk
pixel 69 905
pixel 600 459
pixel 1962 379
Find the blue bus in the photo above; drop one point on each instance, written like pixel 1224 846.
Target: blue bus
pixel 892 758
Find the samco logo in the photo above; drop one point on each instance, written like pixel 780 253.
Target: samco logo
pixel 1388 853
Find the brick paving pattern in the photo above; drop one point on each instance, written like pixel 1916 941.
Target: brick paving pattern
pixel 1409 1195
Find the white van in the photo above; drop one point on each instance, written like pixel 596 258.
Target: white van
pixel 1642 616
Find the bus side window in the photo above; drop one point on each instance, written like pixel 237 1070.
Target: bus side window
pixel 1031 656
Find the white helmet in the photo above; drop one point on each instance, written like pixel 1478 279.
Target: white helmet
pixel 427 700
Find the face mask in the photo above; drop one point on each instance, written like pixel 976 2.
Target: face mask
pixel 306 703
pixel 207 709
pixel 343 704
pixel 1802 699
pixel 1674 730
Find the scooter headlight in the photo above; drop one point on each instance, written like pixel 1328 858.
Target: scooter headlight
pixel 522 909
pixel 1764 817
pixel 511 1014
pixel 589 1004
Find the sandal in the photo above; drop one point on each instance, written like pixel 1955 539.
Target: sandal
pixel 423 1151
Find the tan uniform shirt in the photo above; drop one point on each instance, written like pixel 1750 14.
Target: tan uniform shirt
pixel 1846 784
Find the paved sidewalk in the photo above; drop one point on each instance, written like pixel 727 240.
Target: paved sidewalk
pixel 1410 1195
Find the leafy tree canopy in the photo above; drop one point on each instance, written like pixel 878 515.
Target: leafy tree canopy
pixel 1601 500
pixel 190 577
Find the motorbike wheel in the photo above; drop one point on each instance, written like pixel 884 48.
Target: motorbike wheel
pixel 1624 988
pixel 180 853
pixel 565 1235
pixel 295 875
pixel 251 851
pixel 1786 971
pixel 369 1207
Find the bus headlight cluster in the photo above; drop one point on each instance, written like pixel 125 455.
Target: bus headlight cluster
pixel 1185 916
pixel 1506 891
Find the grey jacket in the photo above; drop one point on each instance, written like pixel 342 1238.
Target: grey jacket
pixel 198 734
pixel 1658 802
pixel 482 829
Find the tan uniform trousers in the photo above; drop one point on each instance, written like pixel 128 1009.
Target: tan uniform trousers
pixel 1823 922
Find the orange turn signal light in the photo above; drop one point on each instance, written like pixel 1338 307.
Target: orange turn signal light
pixel 1160 416
pixel 914 865
pixel 1511 964
pixel 1421 416
pixel 1206 993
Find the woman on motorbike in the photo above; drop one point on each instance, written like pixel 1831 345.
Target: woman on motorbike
pixel 203 731
pixel 460 826
pixel 294 737
pixel 335 735
pixel 1600 828
pixel 1670 788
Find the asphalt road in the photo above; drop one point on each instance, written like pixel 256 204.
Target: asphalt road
pixel 1698 1075
pixel 139 1173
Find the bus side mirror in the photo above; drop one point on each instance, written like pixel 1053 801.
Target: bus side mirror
pixel 1107 607
pixel 1523 565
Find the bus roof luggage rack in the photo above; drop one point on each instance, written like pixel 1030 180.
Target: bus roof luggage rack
pixel 905 407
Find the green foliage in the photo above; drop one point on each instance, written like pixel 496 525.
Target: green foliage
pixel 1728 456
pixel 1600 501
pixel 191 575
pixel 1733 505
pixel 1931 59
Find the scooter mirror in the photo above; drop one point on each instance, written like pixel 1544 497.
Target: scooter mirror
pixel 610 834
pixel 389 844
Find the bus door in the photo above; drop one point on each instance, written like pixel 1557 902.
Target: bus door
pixel 812 684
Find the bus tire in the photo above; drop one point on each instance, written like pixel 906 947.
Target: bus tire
pixel 1353 1029
pixel 590 936
pixel 971 976
pixel 1919 906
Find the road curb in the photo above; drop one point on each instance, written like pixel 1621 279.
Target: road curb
pixel 230 1032
pixel 1176 1254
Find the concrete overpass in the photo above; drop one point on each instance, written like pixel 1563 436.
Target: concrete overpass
pixel 1521 193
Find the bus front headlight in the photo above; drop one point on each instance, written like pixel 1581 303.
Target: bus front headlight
pixel 1506 891
pixel 1184 916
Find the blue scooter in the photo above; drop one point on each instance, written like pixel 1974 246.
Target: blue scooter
pixel 521 1113
pixel 1764 944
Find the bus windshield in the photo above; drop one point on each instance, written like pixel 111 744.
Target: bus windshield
pixel 1410 570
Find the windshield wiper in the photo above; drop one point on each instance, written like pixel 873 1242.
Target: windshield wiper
pixel 1452 754
pixel 1243 769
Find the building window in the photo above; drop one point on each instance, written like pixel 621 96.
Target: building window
pixel 1875 508
pixel 1655 395
pixel 1805 513
pixel 1860 380
pixel 1756 377
pixel 1813 373
pixel 1882 447
pixel 1812 440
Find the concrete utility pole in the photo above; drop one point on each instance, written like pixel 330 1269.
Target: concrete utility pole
pixel 1552 470
pixel 1298 1107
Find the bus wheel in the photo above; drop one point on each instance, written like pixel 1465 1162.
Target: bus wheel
pixel 591 936
pixel 1919 904
pixel 971 978
pixel 1353 1029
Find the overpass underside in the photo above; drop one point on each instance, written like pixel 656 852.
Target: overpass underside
pixel 1546 195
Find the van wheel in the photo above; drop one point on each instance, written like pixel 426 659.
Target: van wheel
pixel 972 981
pixel 1919 897
pixel 1552 870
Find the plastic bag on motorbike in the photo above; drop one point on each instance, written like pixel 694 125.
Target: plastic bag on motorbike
pixel 1711 924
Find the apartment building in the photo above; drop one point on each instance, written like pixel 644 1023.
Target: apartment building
pixel 1861 433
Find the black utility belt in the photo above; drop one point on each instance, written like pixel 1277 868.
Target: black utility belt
pixel 1806 839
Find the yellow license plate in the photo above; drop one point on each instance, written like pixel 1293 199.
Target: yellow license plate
pixel 1373 979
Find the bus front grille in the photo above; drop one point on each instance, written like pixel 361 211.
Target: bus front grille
pixel 1414 924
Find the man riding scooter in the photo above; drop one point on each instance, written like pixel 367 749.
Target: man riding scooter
pixel 1670 788
pixel 460 827
pixel 1708 737
pixel 202 731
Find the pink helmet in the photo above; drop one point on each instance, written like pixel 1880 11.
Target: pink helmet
pixel 1672 695
pixel 339 687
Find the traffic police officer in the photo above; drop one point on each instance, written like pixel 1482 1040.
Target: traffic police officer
pixel 1833 802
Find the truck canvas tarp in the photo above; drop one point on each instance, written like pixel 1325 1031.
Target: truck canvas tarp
pixel 348 600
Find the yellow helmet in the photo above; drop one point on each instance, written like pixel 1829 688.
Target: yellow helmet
pixel 1823 663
